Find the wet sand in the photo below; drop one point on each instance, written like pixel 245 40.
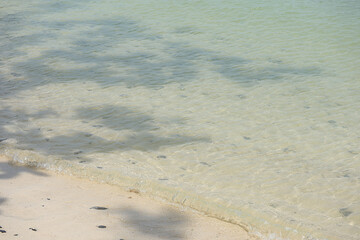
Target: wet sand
pixel 38 204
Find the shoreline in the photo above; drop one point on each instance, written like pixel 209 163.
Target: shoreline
pixel 37 203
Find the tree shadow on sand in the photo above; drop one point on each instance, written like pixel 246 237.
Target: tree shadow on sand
pixel 7 171
pixel 166 224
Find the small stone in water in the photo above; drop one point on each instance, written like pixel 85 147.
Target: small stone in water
pixel 2 231
pixel 33 229
pixel 163 179
pixel 288 150
pixel 97 126
pixel 161 156
pixel 132 162
pixel 101 226
pixel 16 234
pixel 246 138
pixel 48 198
pixel 78 152
pixel 205 163
pixel 98 208
pixel 332 121
pixel 352 152
pixel 16 74
pixel 241 96
pixel 274 205
pixel 99 167
pixel 82 161
pixel 88 134
pixel 345 212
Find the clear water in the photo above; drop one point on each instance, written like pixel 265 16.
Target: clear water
pixel 246 111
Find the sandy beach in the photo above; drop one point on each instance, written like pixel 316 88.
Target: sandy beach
pixel 38 204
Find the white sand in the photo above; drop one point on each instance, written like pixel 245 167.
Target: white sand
pixel 58 207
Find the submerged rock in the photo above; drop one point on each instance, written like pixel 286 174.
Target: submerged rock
pixel 16 74
pixel 134 191
pixel 345 212
pixel 205 163
pixel 241 96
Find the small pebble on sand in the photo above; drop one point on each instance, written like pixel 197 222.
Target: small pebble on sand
pixel 98 208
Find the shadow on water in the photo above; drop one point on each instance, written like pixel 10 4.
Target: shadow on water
pixel 168 224
pixel 137 132
pixel 108 52
pixel 114 52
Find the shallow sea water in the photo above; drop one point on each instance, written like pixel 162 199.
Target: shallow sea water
pixel 248 112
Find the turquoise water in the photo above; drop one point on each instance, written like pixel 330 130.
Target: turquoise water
pixel 248 112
